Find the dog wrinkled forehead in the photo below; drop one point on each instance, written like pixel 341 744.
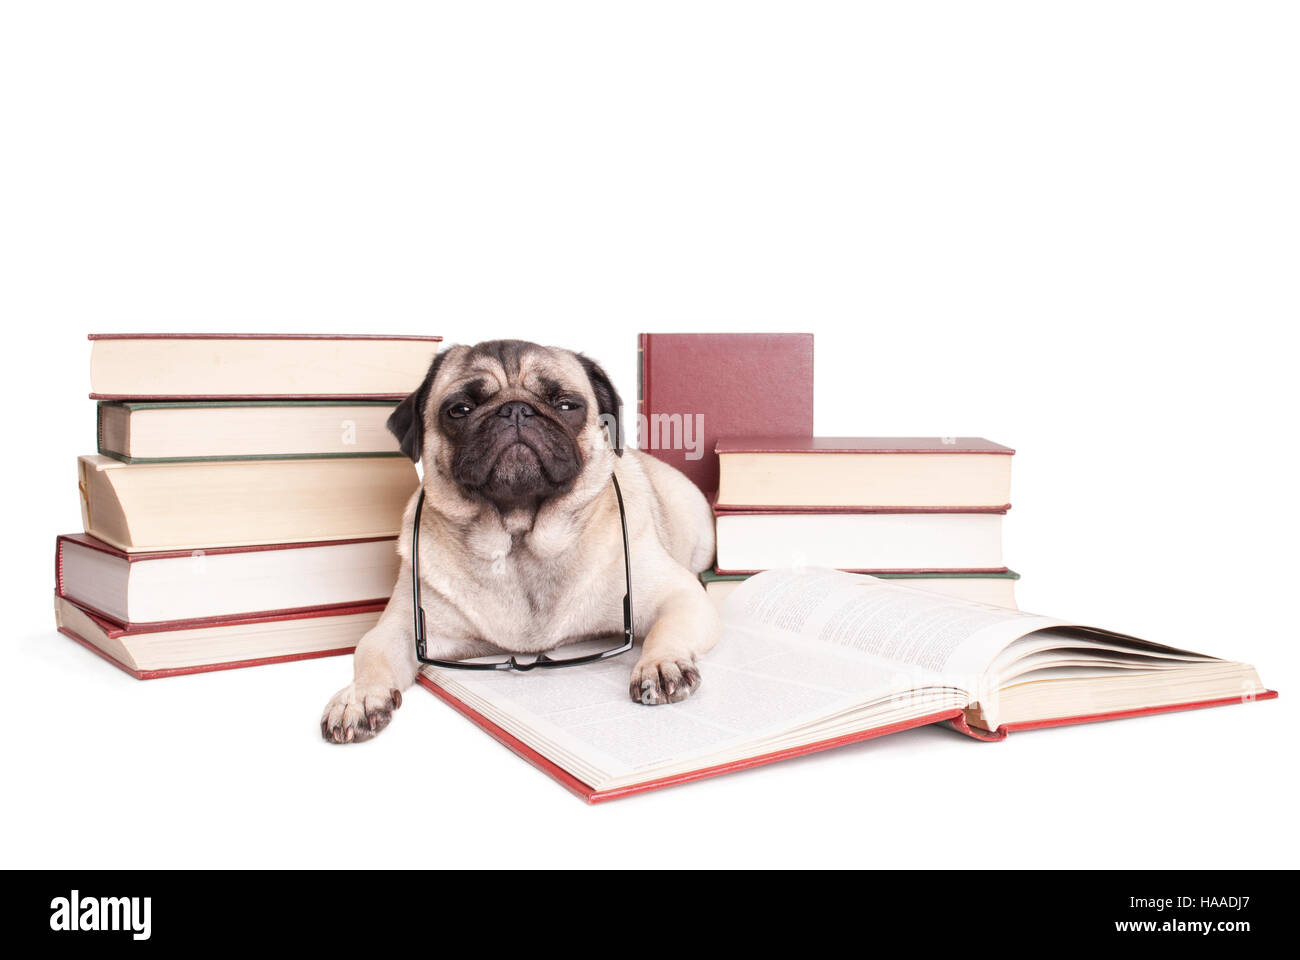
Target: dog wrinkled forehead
pixel 518 364
pixel 501 365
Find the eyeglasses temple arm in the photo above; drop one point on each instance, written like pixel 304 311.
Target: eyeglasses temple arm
pixel 627 565
pixel 418 624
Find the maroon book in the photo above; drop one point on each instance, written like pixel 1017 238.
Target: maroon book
pixel 698 387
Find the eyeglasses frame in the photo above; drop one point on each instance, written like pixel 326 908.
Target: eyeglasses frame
pixel 542 660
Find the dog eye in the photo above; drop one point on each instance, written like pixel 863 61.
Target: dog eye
pixel 458 410
pixel 568 404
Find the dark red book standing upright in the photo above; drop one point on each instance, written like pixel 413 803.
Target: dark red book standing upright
pixel 730 385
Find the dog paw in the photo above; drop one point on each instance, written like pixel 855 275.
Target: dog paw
pixel 663 681
pixel 358 713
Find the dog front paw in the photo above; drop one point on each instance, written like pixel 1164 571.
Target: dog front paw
pixel 358 713
pixel 663 681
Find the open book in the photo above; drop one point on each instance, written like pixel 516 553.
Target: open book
pixel 812 659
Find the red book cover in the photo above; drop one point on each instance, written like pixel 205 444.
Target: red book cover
pixel 959 723
pixel 955 719
pixel 720 385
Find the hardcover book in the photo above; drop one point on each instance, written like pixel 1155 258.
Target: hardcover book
pixel 145 432
pixel 163 650
pixel 997 589
pixel 863 473
pixel 178 587
pixel 814 659
pixel 866 542
pixel 217 366
pixel 220 503
pixel 697 387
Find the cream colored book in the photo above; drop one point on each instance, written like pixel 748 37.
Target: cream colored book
pixel 789 473
pixel 865 542
pixel 221 503
pixel 251 366
pixel 166 586
pixel 245 429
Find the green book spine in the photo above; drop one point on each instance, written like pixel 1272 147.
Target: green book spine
pixel 133 405
pixel 712 576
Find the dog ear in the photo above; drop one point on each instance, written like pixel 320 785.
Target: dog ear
pixel 608 404
pixel 407 421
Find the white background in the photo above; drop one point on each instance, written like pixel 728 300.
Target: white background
pixel 1068 228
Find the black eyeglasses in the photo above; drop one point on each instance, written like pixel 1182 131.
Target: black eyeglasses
pixel 542 659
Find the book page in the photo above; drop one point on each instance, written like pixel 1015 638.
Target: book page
pixel 958 639
pixel 754 687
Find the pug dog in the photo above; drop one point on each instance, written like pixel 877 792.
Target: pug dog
pixel 521 548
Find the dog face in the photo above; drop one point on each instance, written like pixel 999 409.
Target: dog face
pixel 509 422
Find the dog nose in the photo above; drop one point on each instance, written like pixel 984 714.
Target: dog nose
pixel 515 410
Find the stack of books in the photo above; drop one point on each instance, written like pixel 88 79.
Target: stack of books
pixel 244 501
pixel 734 411
pixel 927 510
